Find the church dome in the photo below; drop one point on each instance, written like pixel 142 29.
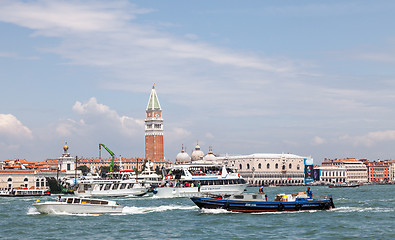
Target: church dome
pixel 197 154
pixel 183 157
pixel 210 156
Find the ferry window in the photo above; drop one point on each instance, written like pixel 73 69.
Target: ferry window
pixel 248 166
pixel 115 186
pixel 276 165
pixel 107 187
pixel 123 186
pixel 204 182
pixel 101 187
pixel 76 200
pixel 268 166
pixel 259 166
pixel 239 197
pixel 240 167
pixel 69 200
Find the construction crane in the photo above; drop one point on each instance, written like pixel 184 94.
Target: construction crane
pixel 111 153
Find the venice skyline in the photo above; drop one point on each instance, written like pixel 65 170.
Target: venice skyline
pixel 309 78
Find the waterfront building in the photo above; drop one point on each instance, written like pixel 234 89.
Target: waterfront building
pixel 333 174
pixel 355 170
pixel 66 162
pixel 268 169
pixel 154 128
pixel 391 170
pixel 378 171
pixel 94 164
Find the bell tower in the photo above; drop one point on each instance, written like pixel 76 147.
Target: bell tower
pixel 154 128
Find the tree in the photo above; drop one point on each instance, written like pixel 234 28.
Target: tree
pixel 84 169
pixel 104 170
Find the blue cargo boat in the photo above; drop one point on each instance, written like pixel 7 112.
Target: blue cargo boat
pixel 257 202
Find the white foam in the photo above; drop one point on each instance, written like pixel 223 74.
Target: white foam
pixel 214 211
pixel 32 211
pixel 362 209
pixel 144 210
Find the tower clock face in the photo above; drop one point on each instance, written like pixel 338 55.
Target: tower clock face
pixel 157 115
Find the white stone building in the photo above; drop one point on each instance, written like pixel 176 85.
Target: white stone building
pixel 268 169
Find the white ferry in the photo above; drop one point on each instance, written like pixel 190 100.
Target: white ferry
pixel 118 184
pixel 73 205
pixel 23 192
pixel 149 177
pixel 196 179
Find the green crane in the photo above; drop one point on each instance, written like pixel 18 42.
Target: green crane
pixel 112 155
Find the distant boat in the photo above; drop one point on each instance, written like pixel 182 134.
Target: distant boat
pixel 73 205
pixel 257 202
pixel 342 185
pixel 23 192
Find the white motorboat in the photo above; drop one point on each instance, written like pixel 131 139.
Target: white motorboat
pixel 148 176
pixel 189 180
pixel 73 205
pixel 118 185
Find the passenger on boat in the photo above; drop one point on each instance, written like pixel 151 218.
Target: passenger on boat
pixel 309 192
pixel 261 189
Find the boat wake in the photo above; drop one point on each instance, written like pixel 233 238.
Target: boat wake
pixel 363 209
pixel 144 210
pixel 32 211
pixel 214 211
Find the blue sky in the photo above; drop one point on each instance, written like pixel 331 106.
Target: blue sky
pixel 313 78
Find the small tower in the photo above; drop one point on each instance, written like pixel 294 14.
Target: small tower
pixel 154 128
pixel 66 162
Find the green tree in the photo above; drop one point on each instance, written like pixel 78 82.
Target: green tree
pixel 104 170
pixel 84 169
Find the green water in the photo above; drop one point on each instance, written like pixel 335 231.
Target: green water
pixel 367 212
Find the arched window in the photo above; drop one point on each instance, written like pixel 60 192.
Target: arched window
pixel 290 166
pixel 259 166
pixel 276 165
pixel 248 166
pixel 283 167
pixel 240 167
pixel 268 166
pixel 9 179
pixel 26 180
pixel 298 167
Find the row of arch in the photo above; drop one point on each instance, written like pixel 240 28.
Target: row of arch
pixel 40 182
pixel 268 166
pixel 276 182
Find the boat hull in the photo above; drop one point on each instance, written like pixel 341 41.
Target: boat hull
pixel 262 206
pixel 59 208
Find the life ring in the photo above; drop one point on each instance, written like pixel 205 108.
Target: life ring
pixel 166 178
pixel 171 176
pixel 280 207
pixel 239 174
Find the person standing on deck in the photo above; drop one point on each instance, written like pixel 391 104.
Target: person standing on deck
pixel 309 193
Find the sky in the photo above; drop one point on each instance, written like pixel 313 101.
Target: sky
pixel 312 78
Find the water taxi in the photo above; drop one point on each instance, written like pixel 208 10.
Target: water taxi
pixel 341 185
pixel 257 202
pixel 74 205
pixel 196 179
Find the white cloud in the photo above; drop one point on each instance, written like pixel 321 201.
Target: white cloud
pixel 11 128
pixel 99 116
pixel 370 139
pixel 318 140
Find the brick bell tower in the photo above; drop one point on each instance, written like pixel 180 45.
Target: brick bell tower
pixel 154 128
